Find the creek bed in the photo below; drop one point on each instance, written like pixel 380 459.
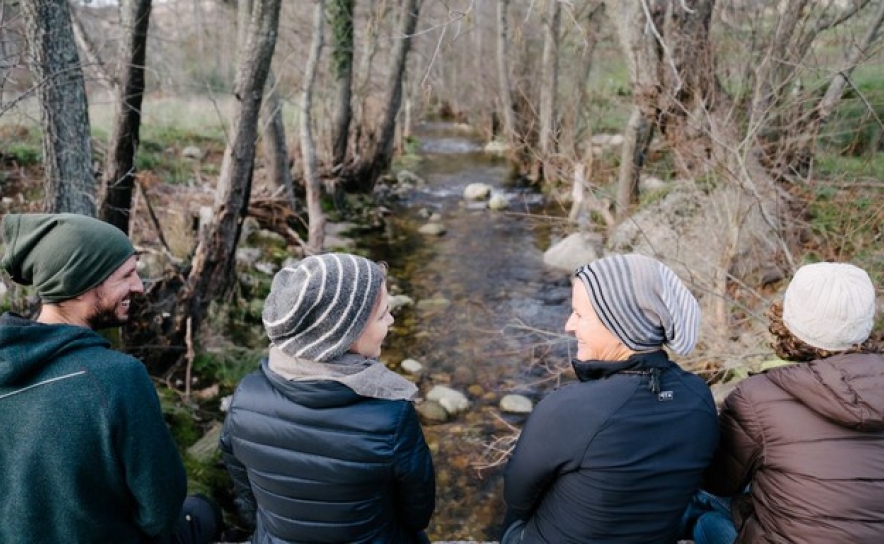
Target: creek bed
pixel 488 315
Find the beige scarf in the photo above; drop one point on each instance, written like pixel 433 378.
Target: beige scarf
pixel 366 377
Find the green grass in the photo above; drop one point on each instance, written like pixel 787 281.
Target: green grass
pixel 228 366
pixel 161 149
pixel 848 222
pixel 23 153
pixel 850 168
pixel 21 144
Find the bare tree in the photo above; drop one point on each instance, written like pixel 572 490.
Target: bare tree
pixel 380 155
pixel 643 63
pixel 94 64
pixel 341 21
pixel 118 182
pixel 316 229
pixel 212 272
pixel 507 108
pixel 549 87
pixel 276 150
pixel 592 18
pixel 67 149
pixel 368 51
pixel 276 155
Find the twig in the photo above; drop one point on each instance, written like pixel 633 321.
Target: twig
pixel 153 216
pixel 497 452
pixel 188 340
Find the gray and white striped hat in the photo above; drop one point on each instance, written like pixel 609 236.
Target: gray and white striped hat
pixel 642 302
pixel 319 306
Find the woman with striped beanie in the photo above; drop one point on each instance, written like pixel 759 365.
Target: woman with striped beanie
pixel 323 443
pixel 617 455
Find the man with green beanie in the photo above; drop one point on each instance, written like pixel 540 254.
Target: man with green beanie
pixel 86 455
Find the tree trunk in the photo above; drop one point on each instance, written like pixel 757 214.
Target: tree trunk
pixel 276 150
pixel 212 270
pixel 119 172
pixel 341 20
pixel 67 149
pixel 594 17
pixel 366 64
pixel 642 54
pixel 316 228
pixel 378 161
pixel 636 140
pixel 507 108
pixel 274 146
pixel 94 64
pixel 549 77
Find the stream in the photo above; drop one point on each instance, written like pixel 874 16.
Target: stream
pixel 487 318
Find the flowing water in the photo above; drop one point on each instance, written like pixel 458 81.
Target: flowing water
pixel 487 318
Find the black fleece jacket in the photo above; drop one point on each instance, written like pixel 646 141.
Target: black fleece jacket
pixel 615 457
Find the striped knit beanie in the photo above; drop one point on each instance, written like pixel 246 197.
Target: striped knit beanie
pixel 318 307
pixel 642 302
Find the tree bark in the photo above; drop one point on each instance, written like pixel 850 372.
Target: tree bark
pixel 366 64
pixel 316 227
pixel 341 20
pixel 381 155
pixel 507 108
pixel 636 140
pixel 67 148
pixel 643 54
pixel 549 81
pixel 119 172
pixel 581 134
pixel 274 146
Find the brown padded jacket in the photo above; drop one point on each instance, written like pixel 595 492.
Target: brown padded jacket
pixel 809 437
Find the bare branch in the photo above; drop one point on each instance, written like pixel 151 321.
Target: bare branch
pixel 93 63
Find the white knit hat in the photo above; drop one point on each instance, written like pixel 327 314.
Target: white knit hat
pixel 830 306
pixel 318 307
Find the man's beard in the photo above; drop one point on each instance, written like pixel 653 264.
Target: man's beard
pixel 104 316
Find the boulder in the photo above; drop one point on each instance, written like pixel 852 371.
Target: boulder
pixel 573 251
pixel 452 400
pixel 432 229
pixel 476 191
pixel 498 202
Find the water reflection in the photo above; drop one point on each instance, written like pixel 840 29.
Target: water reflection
pixel 483 299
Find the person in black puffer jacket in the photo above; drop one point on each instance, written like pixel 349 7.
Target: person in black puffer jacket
pixel 322 443
pixel 616 457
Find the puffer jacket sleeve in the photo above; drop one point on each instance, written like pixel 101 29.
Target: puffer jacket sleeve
pixel 244 499
pixel 415 492
pixel 740 447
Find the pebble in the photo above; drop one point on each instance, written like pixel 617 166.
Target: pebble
pixel 516 404
pixel 411 366
pixel 452 400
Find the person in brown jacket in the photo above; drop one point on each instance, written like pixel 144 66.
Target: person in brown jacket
pixel 807 437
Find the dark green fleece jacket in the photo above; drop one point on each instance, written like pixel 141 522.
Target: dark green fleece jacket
pixel 85 455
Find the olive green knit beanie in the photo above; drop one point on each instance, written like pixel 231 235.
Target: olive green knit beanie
pixel 62 255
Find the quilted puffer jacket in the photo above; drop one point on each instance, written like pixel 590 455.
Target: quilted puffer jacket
pixel 809 437
pixel 314 462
